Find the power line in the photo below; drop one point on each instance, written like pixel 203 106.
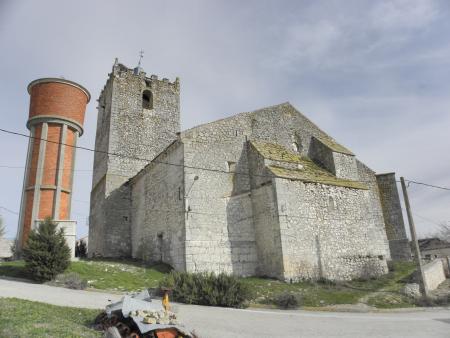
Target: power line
pixel 43 168
pixel 124 156
pixel 16 213
pixel 428 185
pixel 145 159
pixel 9 210
pixel 176 164
pixel 427 219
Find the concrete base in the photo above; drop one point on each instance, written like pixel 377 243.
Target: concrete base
pixel 70 233
pixel 5 248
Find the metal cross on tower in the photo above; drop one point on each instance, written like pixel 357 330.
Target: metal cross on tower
pixel 141 55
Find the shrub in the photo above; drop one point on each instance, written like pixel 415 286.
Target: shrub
pixel 328 282
pixel 81 249
pixel 207 289
pixel 71 280
pixel 286 301
pixel 46 253
pixel 433 301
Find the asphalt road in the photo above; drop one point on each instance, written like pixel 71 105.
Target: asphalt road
pixel 214 322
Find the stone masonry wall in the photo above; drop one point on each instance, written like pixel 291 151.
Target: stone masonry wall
pixel 219 222
pixel 157 212
pixel 325 232
pixel 374 212
pixel 340 164
pixel 217 144
pixel 267 232
pixel 281 124
pixel 322 155
pixel 265 216
pixel 133 136
pixel 345 166
pixel 393 217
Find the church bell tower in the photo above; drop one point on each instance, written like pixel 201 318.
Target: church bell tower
pixel 138 117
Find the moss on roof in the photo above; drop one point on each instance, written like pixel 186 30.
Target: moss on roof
pixel 275 152
pixel 309 172
pixel 315 175
pixel 333 145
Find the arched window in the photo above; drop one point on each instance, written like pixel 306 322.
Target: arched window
pixel 295 147
pixel 147 99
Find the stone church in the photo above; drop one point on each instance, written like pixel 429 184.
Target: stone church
pixel 264 193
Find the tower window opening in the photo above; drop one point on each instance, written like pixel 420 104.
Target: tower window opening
pixel 147 99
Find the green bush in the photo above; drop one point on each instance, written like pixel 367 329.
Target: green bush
pixel 206 289
pixel 286 300
pixel 46 253
pixel 432 301
pixel 81 249
pixel 328 282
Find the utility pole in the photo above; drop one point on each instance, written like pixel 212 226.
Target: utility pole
pixel 412 228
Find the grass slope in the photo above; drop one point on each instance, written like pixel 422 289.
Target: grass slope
pixel 311 294
pixel 121 276
pixel 103 274
pixel 22 318
pixel 382 292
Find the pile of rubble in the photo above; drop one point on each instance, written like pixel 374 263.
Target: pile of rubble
pixel 156 317
pixel 140 316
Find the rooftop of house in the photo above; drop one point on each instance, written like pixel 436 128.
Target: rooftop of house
pixel 433 243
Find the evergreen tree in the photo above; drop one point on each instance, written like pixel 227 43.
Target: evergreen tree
pixel 46 252
pixel 82 249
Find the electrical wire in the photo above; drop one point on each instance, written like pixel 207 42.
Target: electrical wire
pixel 145 159
pixel 428 185
pixel 175 164
pixel 20 167
pixel 9 210
pixel 426 219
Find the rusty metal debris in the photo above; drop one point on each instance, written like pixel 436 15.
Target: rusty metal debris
pixel 138 316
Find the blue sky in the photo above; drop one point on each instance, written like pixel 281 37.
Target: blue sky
pixel 373 74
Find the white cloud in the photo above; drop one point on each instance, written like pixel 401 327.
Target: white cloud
pixel 310 43
pixel 403 14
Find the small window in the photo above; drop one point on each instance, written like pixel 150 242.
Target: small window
pixel 231 166
pixel 295 147
pixel 147 99
pixel 331 203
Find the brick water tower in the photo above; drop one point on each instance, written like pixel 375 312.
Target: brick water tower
pixel 56 116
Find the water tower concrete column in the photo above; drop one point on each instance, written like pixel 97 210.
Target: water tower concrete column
pixel 56 117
